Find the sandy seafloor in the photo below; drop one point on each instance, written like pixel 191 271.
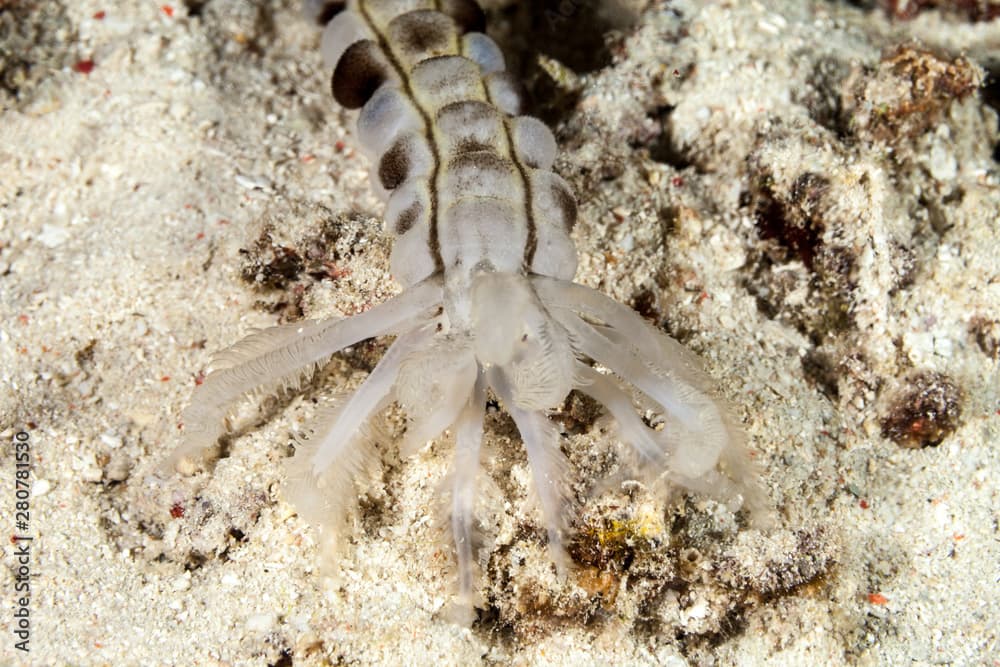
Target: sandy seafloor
pixel 814 212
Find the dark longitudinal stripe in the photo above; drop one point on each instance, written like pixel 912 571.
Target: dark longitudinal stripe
pixel 531 242
pixel 531 239
pixel 433 240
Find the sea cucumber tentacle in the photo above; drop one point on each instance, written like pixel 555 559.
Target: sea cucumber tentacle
pixel 373 394
pixel 549 467
pixel 319 489
pixel 650 344
pixel 432 389
pixel 277 352
pixel 608 392
pixel 468 440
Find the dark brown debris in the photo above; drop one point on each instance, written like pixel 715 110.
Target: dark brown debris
pixel 986 333
pixel 907 94
pixel 924 412
pixel 970 10
pixel 269 265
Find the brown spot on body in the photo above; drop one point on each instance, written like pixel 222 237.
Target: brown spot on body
pixel 408 218
pixel 471 146
pixel 470 125
pixel 440 80
pixel 328 10
pixel 394 167
pixel 481 160
pixel 466 13
pixel 358 74
pixel 907 94
pixel 466 112
pixel 794 219
pixel 422 33
pixel 268 265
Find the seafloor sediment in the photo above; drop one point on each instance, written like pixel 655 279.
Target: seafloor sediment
pixel 807 194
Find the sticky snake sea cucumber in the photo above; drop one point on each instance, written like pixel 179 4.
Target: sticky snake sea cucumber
pixel 483 250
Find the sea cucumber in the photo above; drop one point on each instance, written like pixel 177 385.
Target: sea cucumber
pixel 483 250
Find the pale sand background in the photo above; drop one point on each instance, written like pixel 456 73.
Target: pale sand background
pixel 128 195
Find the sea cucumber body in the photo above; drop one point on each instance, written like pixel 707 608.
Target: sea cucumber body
pixel 468 180
pixel 484 254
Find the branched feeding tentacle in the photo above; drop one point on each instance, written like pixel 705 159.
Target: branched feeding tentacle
pixel 374 392
pixel 272 354
pixel 606 391
pixel 631 330
pixel 468 441
pixel 434 384
pixel 705 435
pixel 327 461
pixel 548 466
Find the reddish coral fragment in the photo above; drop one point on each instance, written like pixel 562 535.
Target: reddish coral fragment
pixel 177 510
pixel 335 272
pixel 84 66
pixel 99 16
pixel 877 598
pixel 168 10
